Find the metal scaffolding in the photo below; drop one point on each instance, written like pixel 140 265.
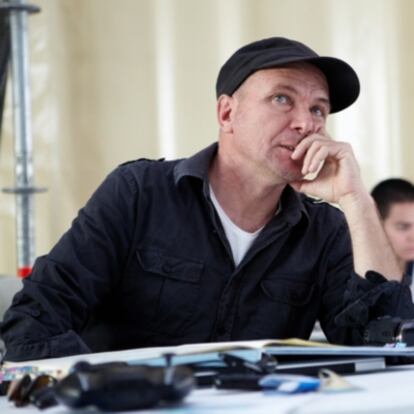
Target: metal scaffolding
pixel 24 189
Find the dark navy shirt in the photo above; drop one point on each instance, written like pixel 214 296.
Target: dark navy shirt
pixel 147 263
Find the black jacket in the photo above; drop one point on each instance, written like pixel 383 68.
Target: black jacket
pixel 147 263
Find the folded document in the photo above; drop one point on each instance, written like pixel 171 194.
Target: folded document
pixel 292 350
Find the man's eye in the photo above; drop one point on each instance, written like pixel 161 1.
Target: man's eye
pixel 282 99
pixel 318 111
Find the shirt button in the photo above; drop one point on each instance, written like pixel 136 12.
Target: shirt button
pixel 34 312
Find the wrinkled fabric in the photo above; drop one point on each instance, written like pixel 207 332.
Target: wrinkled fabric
pixel 146 263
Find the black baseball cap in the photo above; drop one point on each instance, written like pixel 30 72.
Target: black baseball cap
pixel 342 80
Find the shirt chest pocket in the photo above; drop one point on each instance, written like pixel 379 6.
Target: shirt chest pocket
pixel 287 290
pixel 167 289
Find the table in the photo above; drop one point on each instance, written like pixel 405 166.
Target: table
pixel 387 391
pixel 390 391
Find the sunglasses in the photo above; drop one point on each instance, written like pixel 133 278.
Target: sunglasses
pixel 38 391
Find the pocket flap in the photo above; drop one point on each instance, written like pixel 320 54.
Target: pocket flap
pixel 171 267
pixel 288 291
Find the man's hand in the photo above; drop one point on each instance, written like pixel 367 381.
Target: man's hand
pixel 338 180
pixel 334 166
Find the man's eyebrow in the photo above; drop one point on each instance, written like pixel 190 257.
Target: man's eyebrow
pixel 325 101
pixel 285 86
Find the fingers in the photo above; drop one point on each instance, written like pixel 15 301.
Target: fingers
pixel 316 149
pixel 314 158
pixel 304 145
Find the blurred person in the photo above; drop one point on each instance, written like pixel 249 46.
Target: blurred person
pixel 224 245
pixel 394 198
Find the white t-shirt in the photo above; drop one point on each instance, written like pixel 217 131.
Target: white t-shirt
pixel 240 240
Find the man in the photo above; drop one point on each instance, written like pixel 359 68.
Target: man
pixel 394 198
pixel 220 246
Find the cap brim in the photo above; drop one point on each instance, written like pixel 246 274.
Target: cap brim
pixel 342 80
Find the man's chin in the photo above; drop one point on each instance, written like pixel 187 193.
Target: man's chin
pixel 292 176
pixel 290 171
pixel 287 171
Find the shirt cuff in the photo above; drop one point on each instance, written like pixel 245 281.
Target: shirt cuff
pixel 374 296
pixel 68 343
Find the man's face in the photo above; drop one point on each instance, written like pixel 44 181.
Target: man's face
pixel 273 110
pixel 399 227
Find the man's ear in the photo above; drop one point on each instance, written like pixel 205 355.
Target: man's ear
pixel 225 106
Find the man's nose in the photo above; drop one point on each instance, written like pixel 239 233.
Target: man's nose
pixel 303 121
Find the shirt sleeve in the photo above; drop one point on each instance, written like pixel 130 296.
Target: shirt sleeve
pixel 47 316
pixel 350 301
pixel 372 297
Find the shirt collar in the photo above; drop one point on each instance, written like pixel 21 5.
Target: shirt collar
pixel 198 165
pixel 293 206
